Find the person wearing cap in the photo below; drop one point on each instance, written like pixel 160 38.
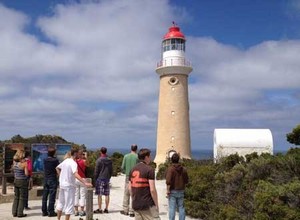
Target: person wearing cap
pixel 102 175
pixel 129 161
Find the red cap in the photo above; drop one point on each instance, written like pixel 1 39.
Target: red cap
pixel 174 32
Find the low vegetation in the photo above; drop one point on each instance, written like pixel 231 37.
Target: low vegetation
pixel 257 187
pixel 265 187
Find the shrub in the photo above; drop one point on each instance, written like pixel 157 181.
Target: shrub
pixel 117 159
pixel 262 187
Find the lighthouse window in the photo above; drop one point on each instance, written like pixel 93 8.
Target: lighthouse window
pixel 166 45
pixel 179 44
pixel 173 81
pixel 173 44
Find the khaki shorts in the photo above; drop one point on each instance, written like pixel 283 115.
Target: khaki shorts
pixel 147 214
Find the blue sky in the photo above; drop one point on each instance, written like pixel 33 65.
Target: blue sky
pixel 85 70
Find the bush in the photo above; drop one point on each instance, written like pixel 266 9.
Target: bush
pixel 117 159
pixel 277 201
pixel 260 187
pixel 162 169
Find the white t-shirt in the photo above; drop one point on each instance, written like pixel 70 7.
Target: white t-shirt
pixel 66 178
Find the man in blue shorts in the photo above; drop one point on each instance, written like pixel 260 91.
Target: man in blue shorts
pixel 103 173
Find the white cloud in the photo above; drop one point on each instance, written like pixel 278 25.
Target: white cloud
pixel 94 82
pixel 236 88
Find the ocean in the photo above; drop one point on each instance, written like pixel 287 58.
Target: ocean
pixel 196 154
pixel 199 154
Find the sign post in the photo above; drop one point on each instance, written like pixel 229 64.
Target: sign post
pixel 3 184
pixel 89 201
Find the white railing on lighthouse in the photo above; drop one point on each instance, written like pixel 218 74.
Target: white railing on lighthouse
pixel 174 62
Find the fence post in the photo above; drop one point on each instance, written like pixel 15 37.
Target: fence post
pixel 89 201
pixel 3 184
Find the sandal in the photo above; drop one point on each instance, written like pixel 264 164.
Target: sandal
pixel 124 213
pixel 98 211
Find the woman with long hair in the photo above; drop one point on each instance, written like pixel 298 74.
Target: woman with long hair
pixel 20 170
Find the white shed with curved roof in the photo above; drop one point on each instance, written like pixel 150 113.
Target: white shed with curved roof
pixel 242 141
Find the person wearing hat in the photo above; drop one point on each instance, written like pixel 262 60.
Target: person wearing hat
pixel 102 174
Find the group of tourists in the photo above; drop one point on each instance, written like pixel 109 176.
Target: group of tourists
pixel 140 186
pixel 140 196
pixel 68 175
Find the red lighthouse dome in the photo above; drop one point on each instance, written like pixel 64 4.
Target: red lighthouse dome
pixel 174 32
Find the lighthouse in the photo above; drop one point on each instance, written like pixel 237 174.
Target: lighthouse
pixel 173 126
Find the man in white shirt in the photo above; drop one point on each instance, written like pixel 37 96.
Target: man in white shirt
pixel 67 171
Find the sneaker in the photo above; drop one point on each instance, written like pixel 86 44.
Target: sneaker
pixel 105 211
pixel 76 213
pixel 124 213
pixel 45 214
pixel 98 211
pixel 82 213
pixel 53 214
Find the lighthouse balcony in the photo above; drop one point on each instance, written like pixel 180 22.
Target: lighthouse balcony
pixel 174 62
pixel 174 66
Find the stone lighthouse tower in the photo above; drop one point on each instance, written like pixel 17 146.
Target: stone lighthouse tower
pixel 173 127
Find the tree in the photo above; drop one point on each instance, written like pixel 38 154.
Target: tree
pixel 294 136
pixel 17 139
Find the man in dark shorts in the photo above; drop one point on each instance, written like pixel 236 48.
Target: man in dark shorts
pixel 103 173
pixel 142 188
